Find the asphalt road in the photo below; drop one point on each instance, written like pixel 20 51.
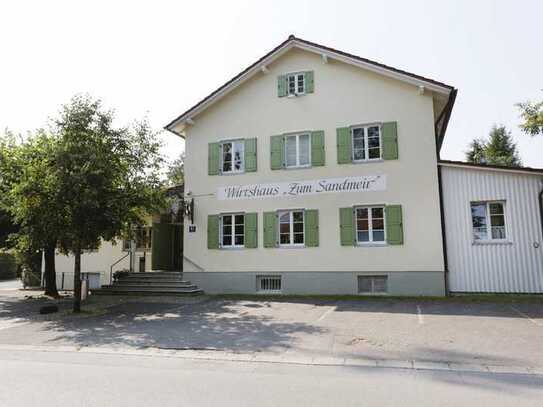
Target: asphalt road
pixel 48 379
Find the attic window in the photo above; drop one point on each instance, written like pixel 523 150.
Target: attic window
pixel 296 84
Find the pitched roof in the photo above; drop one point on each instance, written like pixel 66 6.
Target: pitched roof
pixel 293 41
pixel 451 163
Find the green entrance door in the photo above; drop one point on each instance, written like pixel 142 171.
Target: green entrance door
pixel 167 247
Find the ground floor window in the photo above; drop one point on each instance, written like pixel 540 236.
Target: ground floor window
pixel 291 228
pixel 268 284
pixel 370 224
pixel 232 229
pixel 372 284
pixel 488 220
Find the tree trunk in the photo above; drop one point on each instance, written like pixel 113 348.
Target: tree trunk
pixel 77 281
pixel 50 273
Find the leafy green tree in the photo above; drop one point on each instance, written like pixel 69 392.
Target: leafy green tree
pixel 176 171
pixel 476 152
pixel 499 149
pixel 532 116
pixel 30 196
pixel 108 177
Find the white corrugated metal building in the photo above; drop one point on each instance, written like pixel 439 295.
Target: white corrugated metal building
pixel 493 228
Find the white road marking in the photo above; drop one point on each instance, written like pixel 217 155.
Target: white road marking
pixel 419 315
pixel 326 313
pixel 522 314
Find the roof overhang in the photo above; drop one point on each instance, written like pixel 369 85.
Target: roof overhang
pixel 178 125
pixel 495 168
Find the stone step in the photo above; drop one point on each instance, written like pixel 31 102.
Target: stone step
pixel 149 281
pixel 153 275
pixel 146 273
pixel 142 291
pixel 150 287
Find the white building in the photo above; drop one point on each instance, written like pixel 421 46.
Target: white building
pixel 493 228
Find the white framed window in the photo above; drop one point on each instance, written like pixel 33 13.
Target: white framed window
pixel 366 143
pixel 370 224
pixel 488 221
pixel 372 284
pixel 268 284
pixel 291 228
pixel 296 84
pixel 232 153
pixel 232 230
pixel 298 150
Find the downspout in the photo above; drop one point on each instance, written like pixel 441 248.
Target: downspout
pixel 445 116
pixel 541 210
pixel 443 234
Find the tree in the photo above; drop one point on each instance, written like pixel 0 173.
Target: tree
pixel 108 177
pixel 499 149
pixel 176 171
pixel 476 152
pixel 29 190
pixel 532 115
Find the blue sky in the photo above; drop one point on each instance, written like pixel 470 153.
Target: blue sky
pixel 160 57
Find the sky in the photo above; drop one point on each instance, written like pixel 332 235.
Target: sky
pixel 157 58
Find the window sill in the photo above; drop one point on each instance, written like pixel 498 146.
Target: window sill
pixel 232 248
pixel 375 160
pixel 300 167
pixel 384 244
pixel 232 173
pixel 291 246
pixel 491 243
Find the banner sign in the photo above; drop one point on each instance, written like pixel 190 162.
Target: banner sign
pixel 300 188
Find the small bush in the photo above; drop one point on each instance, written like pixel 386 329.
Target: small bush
pixel 120 274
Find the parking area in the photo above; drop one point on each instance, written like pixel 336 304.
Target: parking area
pixel 453 331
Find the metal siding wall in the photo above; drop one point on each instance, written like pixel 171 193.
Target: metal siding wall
pixel 511 268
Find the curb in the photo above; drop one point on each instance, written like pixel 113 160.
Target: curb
pixel 224 356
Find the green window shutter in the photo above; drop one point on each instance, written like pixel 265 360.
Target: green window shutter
pixel 251 226
pixel 277 152
pixel 162 246
pixel 311 224
pixel 344 145
pixel 213 158
pixel 346 226
pixel 282 85
pixel 213 231
pixel 390 141
pixel 270 229
pixel 309 82
pixel 394 224
pixel 317 148
pixel 250 154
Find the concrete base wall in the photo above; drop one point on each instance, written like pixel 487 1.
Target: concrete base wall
pixel 426 283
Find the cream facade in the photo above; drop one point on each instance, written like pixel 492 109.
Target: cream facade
pixel 344 95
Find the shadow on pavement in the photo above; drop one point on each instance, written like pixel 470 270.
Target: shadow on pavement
pixel 209 325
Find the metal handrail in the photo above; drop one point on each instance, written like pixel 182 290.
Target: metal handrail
pixel 114 264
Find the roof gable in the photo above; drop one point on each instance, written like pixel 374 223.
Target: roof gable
pixel 439 88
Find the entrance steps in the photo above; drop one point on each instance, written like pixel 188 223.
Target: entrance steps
pixel 150 283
